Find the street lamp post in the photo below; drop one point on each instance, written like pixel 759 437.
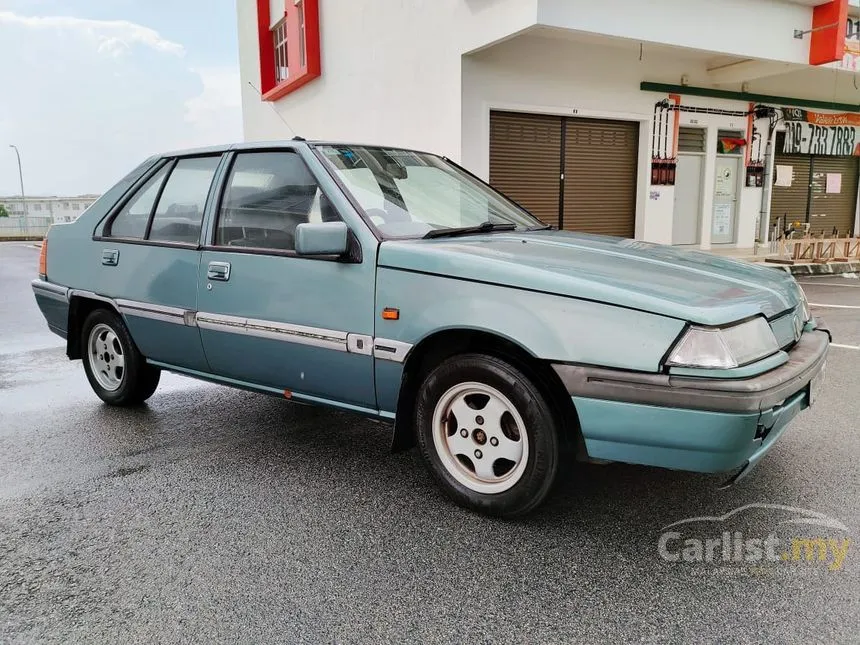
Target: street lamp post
pixel 21 178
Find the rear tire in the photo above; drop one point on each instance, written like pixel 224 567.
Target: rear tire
pixel 115 368
pixel 488 435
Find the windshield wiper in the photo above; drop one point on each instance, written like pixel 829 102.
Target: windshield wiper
pixel 484 227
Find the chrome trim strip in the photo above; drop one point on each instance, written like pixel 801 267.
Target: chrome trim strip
pixel 50 290
pixel 300 334
pixel 216 321
pixel 152 315
pixel 145 306
pixel 390 350
pixel 83 293
pixel 359 344
pixel 163 313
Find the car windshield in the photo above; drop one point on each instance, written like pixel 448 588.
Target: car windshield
pixel 410 194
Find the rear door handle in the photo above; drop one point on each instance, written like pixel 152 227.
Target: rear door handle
pixel 110 257
pixel 218 271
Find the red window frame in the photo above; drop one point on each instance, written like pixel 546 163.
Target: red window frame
pixel 302 67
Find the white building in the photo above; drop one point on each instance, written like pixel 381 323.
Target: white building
pixel 58 209
pixel 642 119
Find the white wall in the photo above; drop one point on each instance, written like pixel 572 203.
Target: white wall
pixel 762 29
pixel 385 78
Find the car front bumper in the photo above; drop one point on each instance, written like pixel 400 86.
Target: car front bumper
pixel 689 423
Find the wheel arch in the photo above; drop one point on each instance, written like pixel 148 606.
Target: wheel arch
pixel 441 345
pixel 82 305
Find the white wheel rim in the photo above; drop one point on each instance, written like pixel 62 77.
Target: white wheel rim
pixel 491 455
pixel 106 357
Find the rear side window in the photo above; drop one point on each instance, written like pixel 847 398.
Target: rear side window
pixel 134 216
pixel 267 195
pixel 169 206
pixel 180 208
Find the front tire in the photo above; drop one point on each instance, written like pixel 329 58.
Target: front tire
pixel 115 368
pixel 488 434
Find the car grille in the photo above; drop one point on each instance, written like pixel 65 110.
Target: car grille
pixel 787 328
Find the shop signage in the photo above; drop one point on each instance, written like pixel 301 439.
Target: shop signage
pixel 818 133
pixel 851 54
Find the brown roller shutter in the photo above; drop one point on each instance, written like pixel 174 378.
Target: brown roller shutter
pixel 600 164
pixel 824 211
pixel 829 211
pixel 791 202
pixel 525 161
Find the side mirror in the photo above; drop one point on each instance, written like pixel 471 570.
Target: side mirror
pixel 327 238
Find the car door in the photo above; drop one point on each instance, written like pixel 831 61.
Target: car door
pixel 150 254
pixel 271 318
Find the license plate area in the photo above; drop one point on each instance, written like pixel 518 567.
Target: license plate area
pixel 816 384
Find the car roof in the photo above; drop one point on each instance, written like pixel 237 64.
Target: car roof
pixel 274 144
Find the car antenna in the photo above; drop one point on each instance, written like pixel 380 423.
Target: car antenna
pixel 296 137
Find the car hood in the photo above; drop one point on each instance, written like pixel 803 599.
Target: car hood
pixel 690 285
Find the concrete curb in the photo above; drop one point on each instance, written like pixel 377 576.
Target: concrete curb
pixel 829 268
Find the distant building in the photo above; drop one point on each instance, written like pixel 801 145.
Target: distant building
pixel 59 209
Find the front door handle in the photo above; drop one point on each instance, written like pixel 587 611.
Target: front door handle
pixel 110 257
pixel 218 271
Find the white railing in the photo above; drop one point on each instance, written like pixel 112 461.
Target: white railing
pixel 22 227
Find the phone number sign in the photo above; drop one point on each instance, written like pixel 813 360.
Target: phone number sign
pixel 818 133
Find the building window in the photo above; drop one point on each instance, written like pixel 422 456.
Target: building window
pixel 282 67
pixel 65 206
pixel 289 48
pixel 37 207
pixel 300 13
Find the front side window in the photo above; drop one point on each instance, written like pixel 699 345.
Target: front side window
pixel 179 213
pixel 267 195
pixel 409 194
pixel 132 220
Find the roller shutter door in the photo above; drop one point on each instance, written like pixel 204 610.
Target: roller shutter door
pixel 829 211
pixel 807 199
pixel 790 202
pixel 525 161
pixel 600 168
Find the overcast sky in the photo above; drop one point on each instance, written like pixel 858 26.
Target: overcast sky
pixel 89 88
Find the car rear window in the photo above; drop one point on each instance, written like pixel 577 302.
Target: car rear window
pixel 132 220
pixel 180 208
pixel 171 211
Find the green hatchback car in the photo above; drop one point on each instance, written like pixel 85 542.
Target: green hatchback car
pixel 395 284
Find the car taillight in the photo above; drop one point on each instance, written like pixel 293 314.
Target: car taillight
pixel 43 259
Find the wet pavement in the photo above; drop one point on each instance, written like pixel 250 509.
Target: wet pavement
pixel 214 515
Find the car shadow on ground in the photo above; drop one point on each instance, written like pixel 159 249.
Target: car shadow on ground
pixel 319 451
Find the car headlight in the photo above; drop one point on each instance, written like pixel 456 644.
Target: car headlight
pixel 724 347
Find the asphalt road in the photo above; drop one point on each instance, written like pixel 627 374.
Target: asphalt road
pixel 214 515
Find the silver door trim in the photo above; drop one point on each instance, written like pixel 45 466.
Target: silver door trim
pixel 299 334
pixel 50 290
pixel 359 344
pixel 163 313
pixel 390 350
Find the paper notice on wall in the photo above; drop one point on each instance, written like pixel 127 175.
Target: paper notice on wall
pixel 784 175
pixel 834 182
pixel 722 224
